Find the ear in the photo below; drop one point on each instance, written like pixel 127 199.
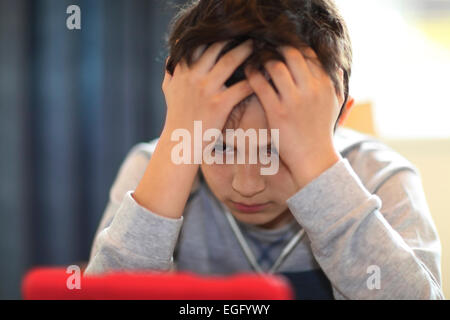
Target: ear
pixel 348 106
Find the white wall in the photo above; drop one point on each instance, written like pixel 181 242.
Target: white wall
pixel 432 158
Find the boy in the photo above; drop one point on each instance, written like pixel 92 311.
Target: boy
pixel 342 217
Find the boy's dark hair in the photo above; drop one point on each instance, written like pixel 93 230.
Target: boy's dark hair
pixel 270 23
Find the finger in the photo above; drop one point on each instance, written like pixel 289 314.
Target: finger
pixel 229 62
pixel 165 64
pixel 296 64
pixel 313 62
pixel 180 67
pixel 166 80
pixel 316 68
pixel 264 91
pixel 198 52
pixel 207 60
pixel 308 53
pixel 281 77
pixel 167 75
pixel 236 93
pixel 341 93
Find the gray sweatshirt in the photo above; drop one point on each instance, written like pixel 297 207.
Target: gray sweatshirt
pixel 368 232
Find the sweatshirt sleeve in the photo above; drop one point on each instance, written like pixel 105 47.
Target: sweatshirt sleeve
pixel 131 237
pixel 371 246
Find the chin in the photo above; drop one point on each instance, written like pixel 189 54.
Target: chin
pixel 255 219
pixel 265 220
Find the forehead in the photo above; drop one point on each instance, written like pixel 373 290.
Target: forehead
pixel 247 115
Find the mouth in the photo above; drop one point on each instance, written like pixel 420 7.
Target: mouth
pixel 249 208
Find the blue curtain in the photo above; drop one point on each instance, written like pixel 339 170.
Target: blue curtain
pixel 72 103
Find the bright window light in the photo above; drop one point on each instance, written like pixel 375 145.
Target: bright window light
pixel 401 70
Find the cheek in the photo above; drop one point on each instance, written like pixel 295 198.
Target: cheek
pixel 218 177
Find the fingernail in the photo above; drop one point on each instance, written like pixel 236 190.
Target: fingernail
pixel 248 42
pixel 247 71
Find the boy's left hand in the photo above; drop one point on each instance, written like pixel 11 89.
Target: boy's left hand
pixel 305 111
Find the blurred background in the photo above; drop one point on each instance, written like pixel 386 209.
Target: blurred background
pixel 73 102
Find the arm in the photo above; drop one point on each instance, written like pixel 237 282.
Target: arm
pixel 115 245
pixel 351 230
pixel 348 232
pixel 145 226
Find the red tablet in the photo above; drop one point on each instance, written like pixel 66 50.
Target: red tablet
pixel 56 284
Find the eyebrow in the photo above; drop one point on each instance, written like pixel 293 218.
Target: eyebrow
pixel 220 141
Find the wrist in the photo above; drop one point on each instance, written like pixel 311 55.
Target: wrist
pixel 311 165
pixel 163 178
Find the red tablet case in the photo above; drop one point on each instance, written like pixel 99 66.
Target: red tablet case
pixel 51 284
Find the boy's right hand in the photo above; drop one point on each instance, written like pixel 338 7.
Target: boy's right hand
pixel 198 92
pixel 195 92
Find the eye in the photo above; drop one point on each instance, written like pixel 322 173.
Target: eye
pixel 221 147
pixel 274 150
pixel 271 149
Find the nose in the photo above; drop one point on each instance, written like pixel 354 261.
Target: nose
pixel 247 180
